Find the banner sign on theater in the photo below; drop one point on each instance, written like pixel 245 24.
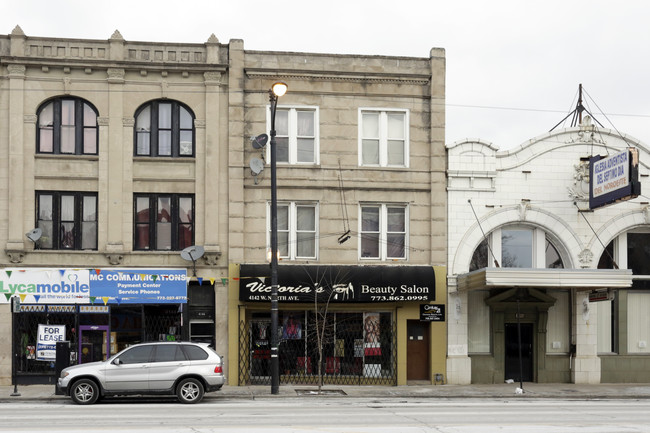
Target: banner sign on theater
pixel 94 286
pixel 339 284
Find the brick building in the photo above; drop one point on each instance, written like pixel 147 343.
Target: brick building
pixel 124 154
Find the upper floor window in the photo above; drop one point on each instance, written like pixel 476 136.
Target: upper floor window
pixel 67 126
pixel 164 128
pixel 163 221
pixel 68 220
pixel 519 247
pixel 383 231
pixel 296 135
pixel 297 230
pixel 383 137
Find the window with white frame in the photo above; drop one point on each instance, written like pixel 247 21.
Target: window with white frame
pixel 517 247
pixel 297 230
pixel 383 229
pixel 383 137
pixel 296 137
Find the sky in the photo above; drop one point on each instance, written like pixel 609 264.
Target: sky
pixel 513 66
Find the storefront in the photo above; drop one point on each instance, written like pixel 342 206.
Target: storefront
pixel 97 311
pixel 361 325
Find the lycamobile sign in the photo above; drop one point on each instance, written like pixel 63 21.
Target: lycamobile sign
pixel 70 286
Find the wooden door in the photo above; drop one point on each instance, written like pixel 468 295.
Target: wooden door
pixel 417 350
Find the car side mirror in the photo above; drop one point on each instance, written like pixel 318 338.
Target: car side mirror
pixel 116 361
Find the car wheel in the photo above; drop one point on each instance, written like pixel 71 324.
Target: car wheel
pixel 190 391
pixel 84 391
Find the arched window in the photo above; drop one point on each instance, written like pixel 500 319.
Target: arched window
pixel 516 247
pixel 164 128
pixel 67 125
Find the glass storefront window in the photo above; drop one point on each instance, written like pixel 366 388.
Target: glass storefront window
pixel 353 345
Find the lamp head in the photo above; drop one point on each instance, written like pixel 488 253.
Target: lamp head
pixel 279 88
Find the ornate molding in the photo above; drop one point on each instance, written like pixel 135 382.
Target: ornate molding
pixel 523 208
pixel 199 123
pixel 212 78
pixel 128 122
pixel 66 85
pixel 211 257
pixel 114 258
pixel 115 75
pixel 15 256
pixel 585 257
pixel 30 118
pixel 16 71
pixel 580 188
pixel 102 120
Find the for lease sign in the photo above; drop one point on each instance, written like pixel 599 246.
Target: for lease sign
pixel 48 336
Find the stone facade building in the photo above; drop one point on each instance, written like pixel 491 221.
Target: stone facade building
pixel 529 259
pixel 125 154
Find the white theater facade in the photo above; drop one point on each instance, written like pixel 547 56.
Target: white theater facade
pixel 531 267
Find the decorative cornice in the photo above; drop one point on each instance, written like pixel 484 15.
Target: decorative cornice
pixel 418 79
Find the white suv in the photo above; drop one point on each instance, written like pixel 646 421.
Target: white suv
pixel 185 369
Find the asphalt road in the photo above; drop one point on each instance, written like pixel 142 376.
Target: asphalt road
pixel 327 414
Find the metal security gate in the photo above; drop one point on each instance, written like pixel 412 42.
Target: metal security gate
pixel 28 369
pixel 355 349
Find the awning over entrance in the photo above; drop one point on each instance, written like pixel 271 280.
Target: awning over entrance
pixel 580 279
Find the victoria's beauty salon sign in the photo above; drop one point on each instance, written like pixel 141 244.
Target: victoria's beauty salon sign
pixel 338 283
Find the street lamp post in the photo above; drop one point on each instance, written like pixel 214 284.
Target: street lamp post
pixel 278 89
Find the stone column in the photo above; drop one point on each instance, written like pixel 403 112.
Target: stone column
pixel 115 138
pixel 459 364
pixel 586 364
pixel 209 162
pixel 15 168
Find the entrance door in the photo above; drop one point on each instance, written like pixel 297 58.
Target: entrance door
pixel 417 350
pixel 512 352
pixel 94 343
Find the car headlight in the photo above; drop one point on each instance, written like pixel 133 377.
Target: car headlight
pixel 64 374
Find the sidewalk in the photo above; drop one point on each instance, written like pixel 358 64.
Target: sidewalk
pixel 531 390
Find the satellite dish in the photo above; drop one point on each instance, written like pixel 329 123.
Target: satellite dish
pixel 260 141
pixel 34 235
pixel 192 253
pixel 257 165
